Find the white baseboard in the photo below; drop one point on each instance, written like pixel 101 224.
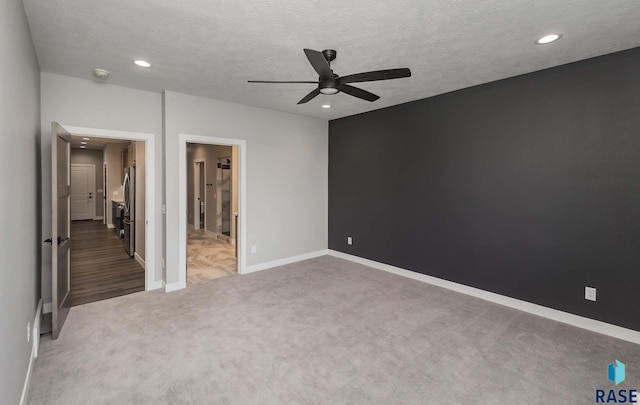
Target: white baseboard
pixel 575 320
pixel 35 339
pixel 282 262
pixel 140 260
pixel 46 308
pixel 111 226
pixel 174 286
pixel 97 218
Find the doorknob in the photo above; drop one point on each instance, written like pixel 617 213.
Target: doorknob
pixel 49 241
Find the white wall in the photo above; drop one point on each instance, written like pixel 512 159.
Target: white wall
pixel 287 165
pixel 19 196
pixel 86 103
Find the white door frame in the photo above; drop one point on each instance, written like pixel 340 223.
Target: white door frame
pixel 183 139
pixel 149 194
pixel 93 182
pixel 196 190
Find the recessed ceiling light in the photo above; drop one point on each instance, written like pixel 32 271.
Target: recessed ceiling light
pixel 547 39
pixel 86 139
pixel 83 143
pixel 142 63
pixel 83 147
pixel 326 105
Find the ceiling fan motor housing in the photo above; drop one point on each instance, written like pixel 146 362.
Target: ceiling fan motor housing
pixel 330 54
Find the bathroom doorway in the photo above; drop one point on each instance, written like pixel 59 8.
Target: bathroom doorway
pixel 212 179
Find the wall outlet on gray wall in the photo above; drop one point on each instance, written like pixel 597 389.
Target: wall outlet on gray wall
pixel 254 249
pixel 590 293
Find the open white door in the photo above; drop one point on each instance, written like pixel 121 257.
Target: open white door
pixel 60 226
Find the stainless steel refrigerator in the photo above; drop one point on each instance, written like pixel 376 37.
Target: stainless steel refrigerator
pixel 129 210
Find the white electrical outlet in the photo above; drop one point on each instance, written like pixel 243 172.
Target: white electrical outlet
pixel 28 332
pixel 349 240
pixel 254 249
pixel 590 293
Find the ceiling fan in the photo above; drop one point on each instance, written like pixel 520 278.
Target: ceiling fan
pixel 330 83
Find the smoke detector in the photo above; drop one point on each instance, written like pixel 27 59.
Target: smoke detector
pixel 100 73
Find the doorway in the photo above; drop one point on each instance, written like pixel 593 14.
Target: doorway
pixel 147 193
pixel 211 251
pixel 106 262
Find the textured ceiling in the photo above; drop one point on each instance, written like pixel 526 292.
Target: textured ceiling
pixel 211 48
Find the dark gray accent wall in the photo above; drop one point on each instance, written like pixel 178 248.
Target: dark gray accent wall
pixel 528 187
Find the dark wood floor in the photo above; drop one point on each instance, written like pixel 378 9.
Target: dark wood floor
pixel 100 267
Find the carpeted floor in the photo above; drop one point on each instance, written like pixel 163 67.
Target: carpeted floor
pixel 322 331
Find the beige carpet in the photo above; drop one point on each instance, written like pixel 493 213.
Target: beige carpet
pixel 322 331
pixel 208 257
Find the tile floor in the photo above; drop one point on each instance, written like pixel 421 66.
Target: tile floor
pixel 208 257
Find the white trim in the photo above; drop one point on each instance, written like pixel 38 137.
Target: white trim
pixel 140 260
pixel 98 218
pixel 111 226
pixel 281 262
pixel 47 308
pixel 183 139
pixel 170 287
pixel 35 339
pixel 35 329
pixel 150 188
pixel 549 313
pixel 156 285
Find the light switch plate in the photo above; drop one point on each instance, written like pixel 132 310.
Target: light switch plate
pixel 590 293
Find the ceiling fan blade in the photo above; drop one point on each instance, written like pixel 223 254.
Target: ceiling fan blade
pixel 271 81
pixel 309 96
pixel 356 92
pixel 376 75
pixel 319 63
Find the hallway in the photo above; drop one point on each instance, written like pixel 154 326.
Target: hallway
pixel 100 267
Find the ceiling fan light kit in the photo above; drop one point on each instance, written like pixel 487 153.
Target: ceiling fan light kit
pixel 330 83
